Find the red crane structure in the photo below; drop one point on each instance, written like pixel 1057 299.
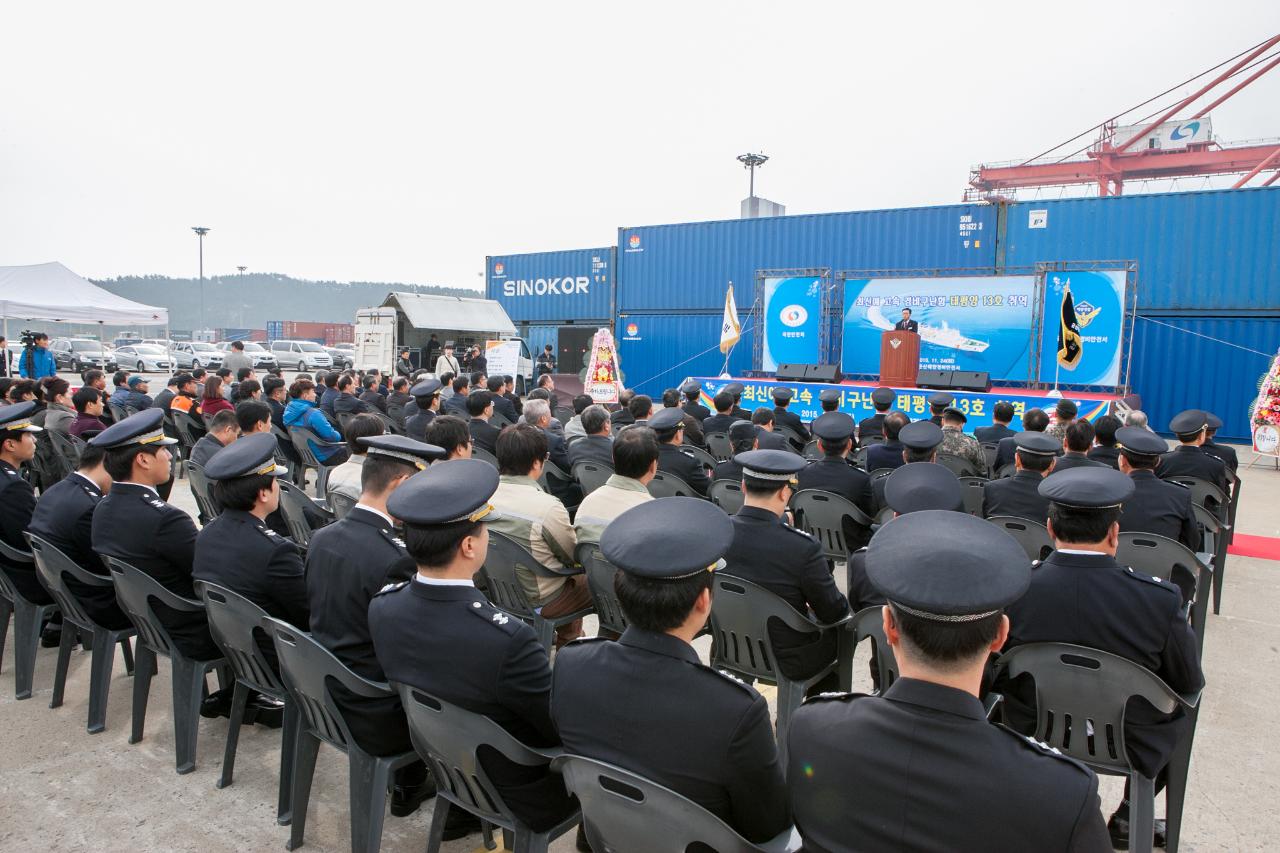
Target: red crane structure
pixel 1183 149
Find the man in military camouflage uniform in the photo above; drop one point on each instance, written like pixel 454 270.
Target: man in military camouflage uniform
pixel 956 443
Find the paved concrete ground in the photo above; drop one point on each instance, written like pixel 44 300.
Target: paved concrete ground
pixel 62 789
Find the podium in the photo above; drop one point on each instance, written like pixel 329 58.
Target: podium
pixel 899 358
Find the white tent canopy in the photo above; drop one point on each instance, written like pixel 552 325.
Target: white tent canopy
pixel 53 293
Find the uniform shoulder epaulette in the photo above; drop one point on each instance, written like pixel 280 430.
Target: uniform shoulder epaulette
pixel 797 531
pixel 860 550
pixel 155 503
pixel 494 616
pixel 1042 748
pixel 392 587
pixel 393 539
pixel 1151 579
pixel 729 678
pixel 1035 564
pixel 835 696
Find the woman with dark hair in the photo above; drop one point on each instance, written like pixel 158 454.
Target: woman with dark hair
pixel 60 413
pixel 213 401
pixel 6 382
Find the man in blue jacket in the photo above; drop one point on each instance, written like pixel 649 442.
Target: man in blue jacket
pixel 36 362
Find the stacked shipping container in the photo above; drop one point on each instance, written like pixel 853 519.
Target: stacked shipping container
pixel 326 334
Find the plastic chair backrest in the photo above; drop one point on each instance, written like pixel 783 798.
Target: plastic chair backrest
pixel 623 810
pixel 727 495
pixel 478 452
pixel 300 436
pixel 51 563
pixel 1080 699
pixel 868 623
pixel 959 466
pixel 340 504
pixel 794 441
pixel 600 574
pixel 505 590
pixel 822 515
pixel 740 614
pixel 293 503
pixel 1162 558
pixel 719 446
pixel 989 452
pixel 591 475
pixel 135 590
pixel 667 485
pixel 309 669
pixel 880 473
pixel 1033 536
pixel 450 738
pixel 202 491
pixel 552 471
pixel 973 494
pixel 813 451
pixel 233 621
pixel 1207 495
pixel 705 459
pixel 563 414
pixel 859 458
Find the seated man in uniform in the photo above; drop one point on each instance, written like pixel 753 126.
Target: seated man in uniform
pixel 920 442
pixel 1104 448
pixel 835 472
pixel 1001 415
pixel 18 501
pixel 135 526
pixel 345 478
pixel 872 428
pixel 722 419
pixel 692 426
pixel 596 445
pixel 920 768
pixel 1190 459
pixel 1077 444
pixel 829 400
pixel 538 521
pixel 668 426
pixel 1019 496
pixel 1156 506
pixel 1081 595
pixel 439 634
pixel 736 390
pixel 635 461
pixel 955 443
pixel 787 562
pixel 1034 420
pixel 888 453
pixel 742 437
pixel 692 391
pixel 451 435
pixel 617 701
pixel 1225 452
pixel 347 563
pixel 766 432
pixel 784 418
pixel 64 518
pixel 237 550
pixel 938 401
pixel 426 395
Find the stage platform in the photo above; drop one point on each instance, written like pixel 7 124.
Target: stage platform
pixel 856 399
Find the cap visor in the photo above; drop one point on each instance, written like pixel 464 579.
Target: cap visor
pixel 280 471
pixel 30 428
pixel 166 441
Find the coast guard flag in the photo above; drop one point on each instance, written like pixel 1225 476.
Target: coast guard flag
pixel 1070 346
pixel 730 330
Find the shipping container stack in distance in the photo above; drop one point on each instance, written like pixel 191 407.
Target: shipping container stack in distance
pixel 325 334
pixel 1207 270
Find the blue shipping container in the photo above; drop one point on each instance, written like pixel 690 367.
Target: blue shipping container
pixel 551 287
pixel 666 267
pixel 1177 366
pixel 1214 250
pixel 275 330
pixel 656 351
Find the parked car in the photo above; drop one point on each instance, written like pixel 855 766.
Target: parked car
pixel 303 355
pixel 125 341
pixel 343 355
pixel 262 358
pixel 144 358
pixel 197 354
pixel 81 354
pixel 159 342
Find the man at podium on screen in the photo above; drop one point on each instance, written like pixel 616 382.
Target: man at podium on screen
pixel 906 324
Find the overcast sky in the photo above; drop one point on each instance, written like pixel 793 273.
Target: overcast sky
pixel 405 141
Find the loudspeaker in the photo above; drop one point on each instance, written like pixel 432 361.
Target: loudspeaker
pixel 970 380
pixel 933 379
pixel 823 373
pixel 791 372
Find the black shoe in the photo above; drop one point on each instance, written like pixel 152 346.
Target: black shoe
pixel 218 704
pixel 266 712
pixel 459 824
pixel 1118 829
pixel 405 799
pixel 51 636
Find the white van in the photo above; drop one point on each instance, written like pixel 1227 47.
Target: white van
pixel 302 355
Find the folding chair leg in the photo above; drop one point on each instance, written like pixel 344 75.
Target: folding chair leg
pixel 790 695
pixel 126 649
pixel 1142 808
pixel 288 748
pixel 546 634
pixel 26 642
pixel 144 669
pixel 528 841
pixel 486 832
pixel 1175 791
pixel 438 817
pixel 101 663
pixel 238 701
pixel 65 644
pixel 304 768
pixel 1219 572
pixel 369 777
pixel 6 610
pixel 188 692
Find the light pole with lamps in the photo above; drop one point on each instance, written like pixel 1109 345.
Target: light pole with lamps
pixel 200 232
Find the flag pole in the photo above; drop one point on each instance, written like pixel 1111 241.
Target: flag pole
pixel 1057 367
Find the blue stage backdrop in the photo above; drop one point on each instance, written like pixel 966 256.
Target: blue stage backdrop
pixel 1099 298
pixel 980 323
pixel 792 317
pixel 855 400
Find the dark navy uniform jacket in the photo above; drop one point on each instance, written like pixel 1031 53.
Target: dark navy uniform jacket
pixel 770 440
pixel 17 501
pixel 64 518
pixel 871 427
pixel 921 769
pixel 789 419
pixel 1106 455
pixel 698 410
pixel 239 551
pixel 132 524
pixel 672 459
pixel 1225 452
pixel 885 454
pixel 348 562
pixel 840 477
pixel 788 563
pixel 727 470
pixel 1017 496
pixel 1072 459
pixel 451 642
pixel 992 434
pixel 1191 461
pixel 1091 600
pixel 483 434
pixel 1161 508
pixel 416 425
pixel 1005 451
pixel 720 423
pixel 645 703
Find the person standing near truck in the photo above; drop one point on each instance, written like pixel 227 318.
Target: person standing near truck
pixel 446 363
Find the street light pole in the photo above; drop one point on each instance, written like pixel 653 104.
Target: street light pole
pixel 200 232
pixel 750 162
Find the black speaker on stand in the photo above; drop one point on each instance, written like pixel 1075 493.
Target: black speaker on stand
pixel 933 379
pixel 791 372
pixel 970 380
pixel 823 373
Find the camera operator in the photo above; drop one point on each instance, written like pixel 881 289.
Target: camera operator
pixel 36 362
